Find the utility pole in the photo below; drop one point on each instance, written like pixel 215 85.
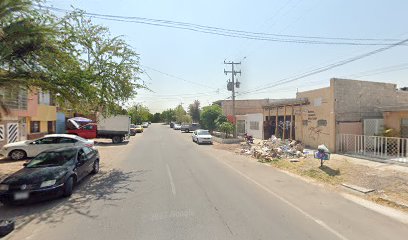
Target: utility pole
pixel 231 87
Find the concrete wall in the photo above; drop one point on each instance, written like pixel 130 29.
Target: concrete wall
pixel 307 117
pixel 243 107
pixel 256 117
pixel 356 100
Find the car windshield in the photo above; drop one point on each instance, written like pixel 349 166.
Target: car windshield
pixel 205 132
pixel 48 159
pixel 81 139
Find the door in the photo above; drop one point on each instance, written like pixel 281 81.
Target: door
pixel 90 156
pixel 41 145
pixel 88 131
pixel 82 164
pixel 66 142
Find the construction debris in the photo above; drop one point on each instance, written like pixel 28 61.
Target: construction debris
pixel 274 148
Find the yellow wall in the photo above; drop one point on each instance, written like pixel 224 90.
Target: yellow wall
pixel 320 107
pixel 45 113
pixel 393 119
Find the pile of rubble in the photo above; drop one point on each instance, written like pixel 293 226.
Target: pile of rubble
pixel 274 148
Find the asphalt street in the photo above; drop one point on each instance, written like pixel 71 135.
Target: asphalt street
pixel 161 185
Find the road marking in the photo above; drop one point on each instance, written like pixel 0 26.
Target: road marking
pixel 316 220
pixel 173 188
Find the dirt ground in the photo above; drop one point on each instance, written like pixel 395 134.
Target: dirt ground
pixel 389 182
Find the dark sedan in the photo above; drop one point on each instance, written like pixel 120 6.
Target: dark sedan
pixel 50 174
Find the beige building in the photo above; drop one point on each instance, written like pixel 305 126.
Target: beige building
pixel 322 114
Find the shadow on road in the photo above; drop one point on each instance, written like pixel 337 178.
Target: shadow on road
pixel 330 171
pixel 108 187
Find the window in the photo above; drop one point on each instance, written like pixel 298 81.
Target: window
pixel 87 127
pixel 67 140
pixel 305 122
pixel 253 125
pixel 321 122
pixel 81 155
pixel 89 152
pixel 49 140
pixel 35 126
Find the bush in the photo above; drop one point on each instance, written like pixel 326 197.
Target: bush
pixel 226 127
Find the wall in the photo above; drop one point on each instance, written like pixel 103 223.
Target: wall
pixel 393 119
pixel 356 100
pixel 320 107
pixel 248 118
pixel 243 107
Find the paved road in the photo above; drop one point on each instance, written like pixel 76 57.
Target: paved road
pixel 162 186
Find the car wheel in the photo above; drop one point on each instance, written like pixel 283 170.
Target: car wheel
pixel 198 142
pixel 6 227
pixel 187 130
pixel 95 168
pixel 116 139
pixel 68 187
pixel 17 154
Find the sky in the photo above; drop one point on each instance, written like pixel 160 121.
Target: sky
pixel 181 66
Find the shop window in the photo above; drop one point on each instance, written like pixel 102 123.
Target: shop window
pixel 253 125
pixel 35 126
pixel 321 123
pixel 305 122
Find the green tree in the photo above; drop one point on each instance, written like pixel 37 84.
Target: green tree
pixel 226 127
pixel 168 115
pixel 157 117
pixel 139 114
pixel 180 113
pixel 220 120
pixel 194 111
pixel 208 116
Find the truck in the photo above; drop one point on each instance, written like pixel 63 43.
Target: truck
pixel 116 128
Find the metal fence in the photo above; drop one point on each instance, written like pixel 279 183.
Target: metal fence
pixel 387 148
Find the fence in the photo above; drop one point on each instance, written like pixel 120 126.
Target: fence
pixel 386 148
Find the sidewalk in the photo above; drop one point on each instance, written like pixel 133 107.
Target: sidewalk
pixel 388 181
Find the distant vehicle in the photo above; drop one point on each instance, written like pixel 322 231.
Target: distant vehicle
pixel 145 124
pixel 172 124
pixel 139 128
pixel 189 127
pixel 150 123
pixel 51 173
pixel 202 136
pixel 116 128
pixel 133 130
pixel 177 127
pixel 31 148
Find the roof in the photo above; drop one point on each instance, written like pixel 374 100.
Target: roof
pixel 287 102
pixel 398 108
pixel 62 135
pixel 64 149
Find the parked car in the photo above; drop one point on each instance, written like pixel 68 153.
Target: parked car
pixel 189 127
pixel 177 127
pixel 202 136
pixel 133 130
pixel 139 128
pixel 51 173
pixel 145 124
pixel 31 148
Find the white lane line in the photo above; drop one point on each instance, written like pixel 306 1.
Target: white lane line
pixel 316 220
pixel 173 188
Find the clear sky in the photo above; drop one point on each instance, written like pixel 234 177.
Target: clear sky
pixel 197 58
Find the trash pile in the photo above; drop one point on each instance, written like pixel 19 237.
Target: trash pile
pixel 274 148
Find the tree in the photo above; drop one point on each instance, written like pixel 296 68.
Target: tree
pixel 139 114
pixel 180 114
pixel 226 127
pixel 168 115
pixel 157 117
pixel 208 116
pixel 220 120
pixel 194 111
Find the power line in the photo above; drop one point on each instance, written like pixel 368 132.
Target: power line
pixel 284 38
pixel 325 68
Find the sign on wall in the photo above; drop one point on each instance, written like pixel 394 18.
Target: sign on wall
pixel 12 132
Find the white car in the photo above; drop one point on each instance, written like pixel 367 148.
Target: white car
pixel 177 127
pixel 31 148
pixel 202 136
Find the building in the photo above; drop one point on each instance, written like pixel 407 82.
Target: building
pixel 29 114
pixel 321 115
